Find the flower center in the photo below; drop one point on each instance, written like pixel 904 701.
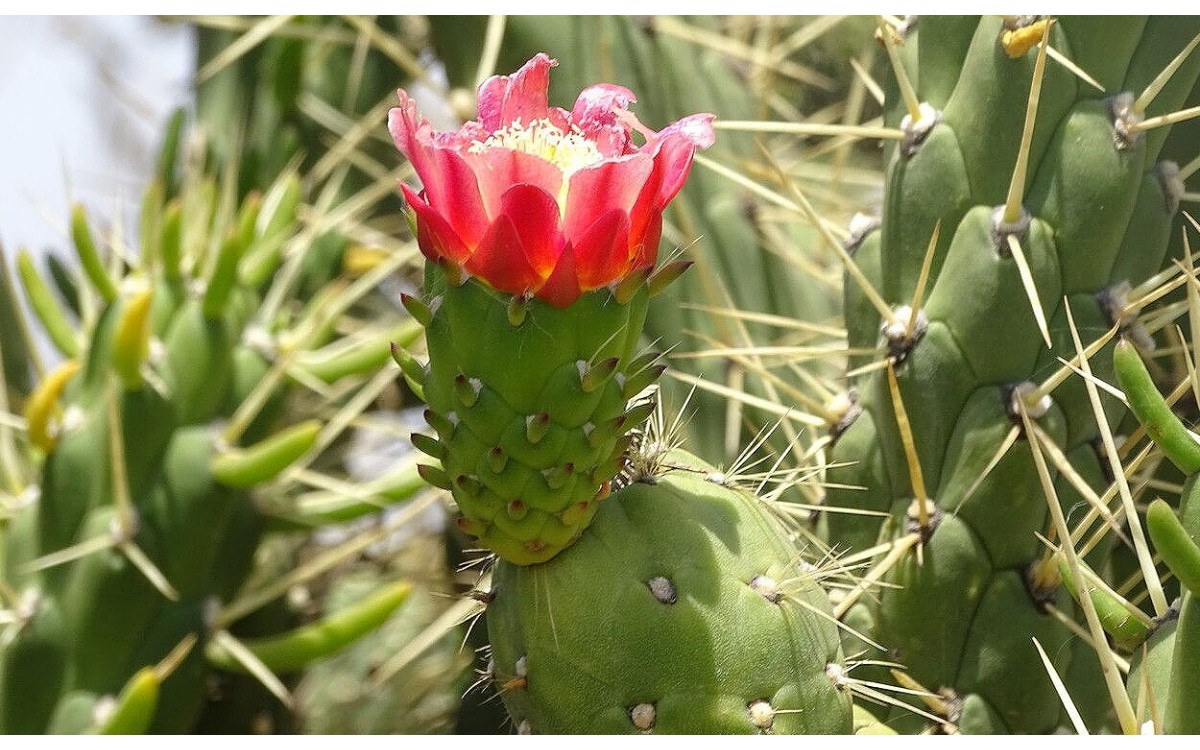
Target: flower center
pixel 569 150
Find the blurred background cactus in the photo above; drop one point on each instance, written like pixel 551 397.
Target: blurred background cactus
pixel 911 244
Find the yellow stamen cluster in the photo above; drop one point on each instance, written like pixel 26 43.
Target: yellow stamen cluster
pixel 569 150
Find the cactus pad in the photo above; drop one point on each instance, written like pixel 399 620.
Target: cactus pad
pixel 683 608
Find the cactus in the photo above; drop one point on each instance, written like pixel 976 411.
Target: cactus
pixel 145 450
pixel 540 230
pixel 1020 219
pixel 14 345
pixel 684 608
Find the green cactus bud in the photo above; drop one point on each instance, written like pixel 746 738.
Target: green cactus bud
pixel 133 710
pixel 131 340
pixel 515 430
pixel 1172 541
pixel 224 276
pixel 170 249
pixel 1119 618
pixel 1148 405
pixel 89 256
pixel 292 651
pixel 262 462
pixel 44 306
pixel 43 411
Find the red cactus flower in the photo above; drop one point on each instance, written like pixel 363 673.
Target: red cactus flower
pixel 534 199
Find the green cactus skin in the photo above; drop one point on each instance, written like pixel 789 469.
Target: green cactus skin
pixel 1100 216
pixel 530 415
pixel 682 609
pixel 74 713
pixel 1150 671
pixel 200 355
pixel 190 514
pixel 843 492
pixel 180 518
pixel 1182 714
pixel 40 649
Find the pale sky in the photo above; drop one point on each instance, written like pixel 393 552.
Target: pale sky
pixel 83 101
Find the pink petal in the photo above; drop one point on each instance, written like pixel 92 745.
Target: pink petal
pixel 645 247
pixel 404 122
pixel 559 118
pixel 455 191
pixel 596 115
pixel 696 128
pixel 498 169
pixel 675 162
pixel 595 104
pixel 500 260
pixel 503 99
pixel 674 148
pixel 647 207
pixel 436 238
pixel 497 211
pixel 603 187
pixel 461 139
pixel 562 288
pixel 451 187
pixel 534 215
pixel 602 253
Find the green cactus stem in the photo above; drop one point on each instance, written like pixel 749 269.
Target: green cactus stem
pixel 683 608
